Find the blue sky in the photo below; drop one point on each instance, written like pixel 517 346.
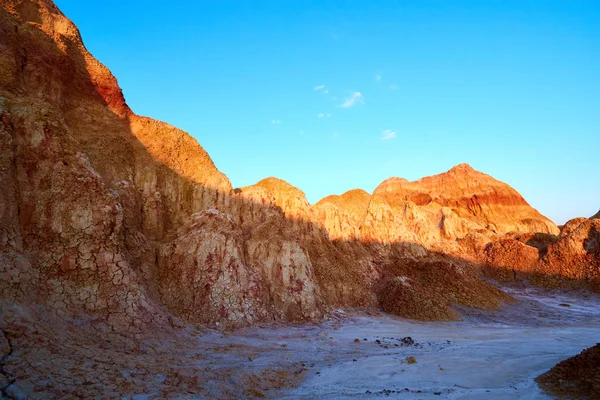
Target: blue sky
pixel 336 95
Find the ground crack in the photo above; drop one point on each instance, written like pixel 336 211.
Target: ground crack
pixel 3 389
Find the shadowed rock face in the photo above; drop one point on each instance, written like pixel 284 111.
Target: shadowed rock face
pixel 126 222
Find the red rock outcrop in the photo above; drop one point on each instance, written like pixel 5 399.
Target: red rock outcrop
pixel 448 206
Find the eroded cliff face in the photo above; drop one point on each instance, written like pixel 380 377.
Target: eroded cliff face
pixel 126 223
pixel 83 200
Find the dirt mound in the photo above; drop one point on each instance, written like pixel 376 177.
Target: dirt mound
pixel 575 378
pixel 509 257
pixel 427 287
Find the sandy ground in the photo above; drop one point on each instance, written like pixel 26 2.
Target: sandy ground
pixel 363 355
pixel 487 355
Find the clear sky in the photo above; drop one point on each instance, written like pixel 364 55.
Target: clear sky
pixel 336 95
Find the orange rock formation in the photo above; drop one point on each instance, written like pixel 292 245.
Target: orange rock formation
pixel 126 220
pixel 115 223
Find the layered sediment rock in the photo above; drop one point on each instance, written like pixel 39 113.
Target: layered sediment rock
pixel 115 223
pixel 126 220
pixel 448 207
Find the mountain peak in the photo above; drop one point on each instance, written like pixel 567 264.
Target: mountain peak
pixel 463 167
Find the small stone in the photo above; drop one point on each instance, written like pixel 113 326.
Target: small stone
pixel 411 360
pixel 408 341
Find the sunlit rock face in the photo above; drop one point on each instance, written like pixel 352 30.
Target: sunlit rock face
pixel 127 222
pixel 433 211
pixel 449 206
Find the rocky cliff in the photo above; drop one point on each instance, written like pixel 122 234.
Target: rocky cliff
pixel 126 223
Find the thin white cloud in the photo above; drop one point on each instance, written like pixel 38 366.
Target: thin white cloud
pixel 275 121
pixel 378 78
pixel 356 98
pixel 321 115
pixel 388 134
pixel 322 89
pixel 302 131
pixel 393 86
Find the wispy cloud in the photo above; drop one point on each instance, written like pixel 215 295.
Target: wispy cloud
pixel 393 86
pixel 388 134
pixel 322 89
pixel 378 78
pixel 275 121
pixel 356 98
pixel 323 115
